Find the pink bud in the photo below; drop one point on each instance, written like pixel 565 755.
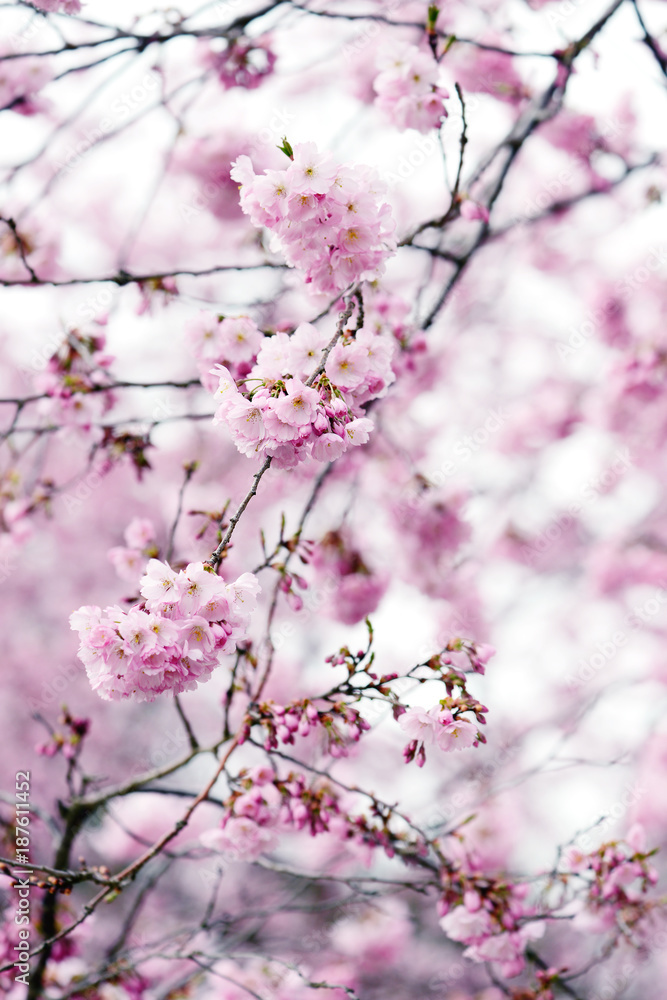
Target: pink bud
pixel 472 900
pixel 320 424
pixel 338 406
pixel 312 713
pixel 300 814
pixel 295 602
pixel 473 210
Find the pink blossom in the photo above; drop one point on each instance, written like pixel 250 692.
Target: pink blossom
pixel 274 359
pixel 358 431
pixel 226 389
pixel 409 90
pixel 128 563
pixel 241 839
pixel 472 210
pixel 139 533
pixel 484 652
pixel 245 419
pixel 86 618
pixel 421 724
pixel 593 919
pixel 166 631
pixel 332 250
pixel 311 172
pixel 461 924
pixel 436 726
pixel 243 62
pixel 299 405
pixel 456 735
pixel 328 447
pixel 281 416
pixel 134 629
pixel 163 644
pixel 485 71
pixel 241 598
pixel 357 596
pixel 204 334
pixel 234 340
pixel 496 948
pixel 198 585
pixel 65 6
pixel 196 637
pixel 472 900
pixel 347 365
pixel 574 859
pixel 376 937
pixel 160 583
pixel 305 347
pixel 239 338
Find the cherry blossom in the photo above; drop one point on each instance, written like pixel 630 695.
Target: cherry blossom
pixel 409 91
pixel 172 640
pixel 345 233
pixel 281 416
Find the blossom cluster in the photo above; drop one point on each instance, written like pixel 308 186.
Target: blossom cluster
pixel 354 588
pixel 497 921
pixel 415 363
pixel 75 374
pixel 20 83
pixel 69 742
pixel 461 654
pixel 409 91
pixel 265 805
pixel 66 969
pixel 170 641
pixel 435 727
pixel 282 416
pixel 325 219
pixel 444 725
pixel 60 6
pixel 485 71
pixel 493 919
pixel 243 62
pixel 617 876
pixel 339 723
pixel 635 398
pixel 433 531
